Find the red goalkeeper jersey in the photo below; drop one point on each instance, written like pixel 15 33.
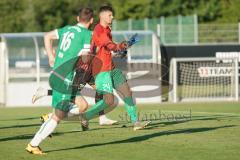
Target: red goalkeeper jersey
pixel 103 57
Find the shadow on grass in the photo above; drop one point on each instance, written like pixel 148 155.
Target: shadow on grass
pixel 29 136
pixel 19 137
pixel 213 117
pixel 146 137
pixel 156 123
pixel 27 118
pixel 20 126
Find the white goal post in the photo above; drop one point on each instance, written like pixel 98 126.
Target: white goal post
pixel 203 79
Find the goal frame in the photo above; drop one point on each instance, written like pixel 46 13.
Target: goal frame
pixel 173 80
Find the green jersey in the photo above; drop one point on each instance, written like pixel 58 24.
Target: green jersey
pixel 72 41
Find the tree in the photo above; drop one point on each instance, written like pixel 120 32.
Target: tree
pixel 45 15
pixel 11 16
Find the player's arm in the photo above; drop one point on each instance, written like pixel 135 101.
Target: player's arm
pixel 49 37
pixel 126 44
pixel 115 47
pixel 123 46
pixel 118 50
pixel 102 40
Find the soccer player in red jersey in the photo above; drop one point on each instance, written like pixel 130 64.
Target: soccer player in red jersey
pixel 107 77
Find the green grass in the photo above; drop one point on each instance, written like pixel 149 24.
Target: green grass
pixel 212 132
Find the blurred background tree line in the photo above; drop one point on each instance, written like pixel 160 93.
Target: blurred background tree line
pixel 45 15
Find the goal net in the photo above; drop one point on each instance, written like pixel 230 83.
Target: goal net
pixel 203 79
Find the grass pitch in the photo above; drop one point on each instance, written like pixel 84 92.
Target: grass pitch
pixel 178 132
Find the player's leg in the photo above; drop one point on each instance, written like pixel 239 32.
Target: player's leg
pixel 121 85
pixel 77 108
pixel 45 130
pixel 104 86
pixel 130 106
pixel 79 104
pixel 79 81
pixel 78 84
pixel 103 119
pixel 61 107
pixel 40 93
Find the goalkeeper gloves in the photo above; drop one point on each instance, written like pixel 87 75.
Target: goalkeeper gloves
pixel 127 44
pixel 134 39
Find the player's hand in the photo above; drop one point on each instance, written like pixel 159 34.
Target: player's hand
pixel 127 44
pixel 134 39
pixel 123 45
pixel 51 63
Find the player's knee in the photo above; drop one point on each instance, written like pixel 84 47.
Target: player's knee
pixel 83 107
pixel 109 100
pixel 82 104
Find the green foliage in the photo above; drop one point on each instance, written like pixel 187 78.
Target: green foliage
pixel 45 15
pixel 230 11
pixel 11 15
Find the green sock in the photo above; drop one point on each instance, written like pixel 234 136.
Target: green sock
pixel 95 109
pixel 131 108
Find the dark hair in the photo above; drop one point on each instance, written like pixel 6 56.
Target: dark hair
pixel 105 8
pixel 85 14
